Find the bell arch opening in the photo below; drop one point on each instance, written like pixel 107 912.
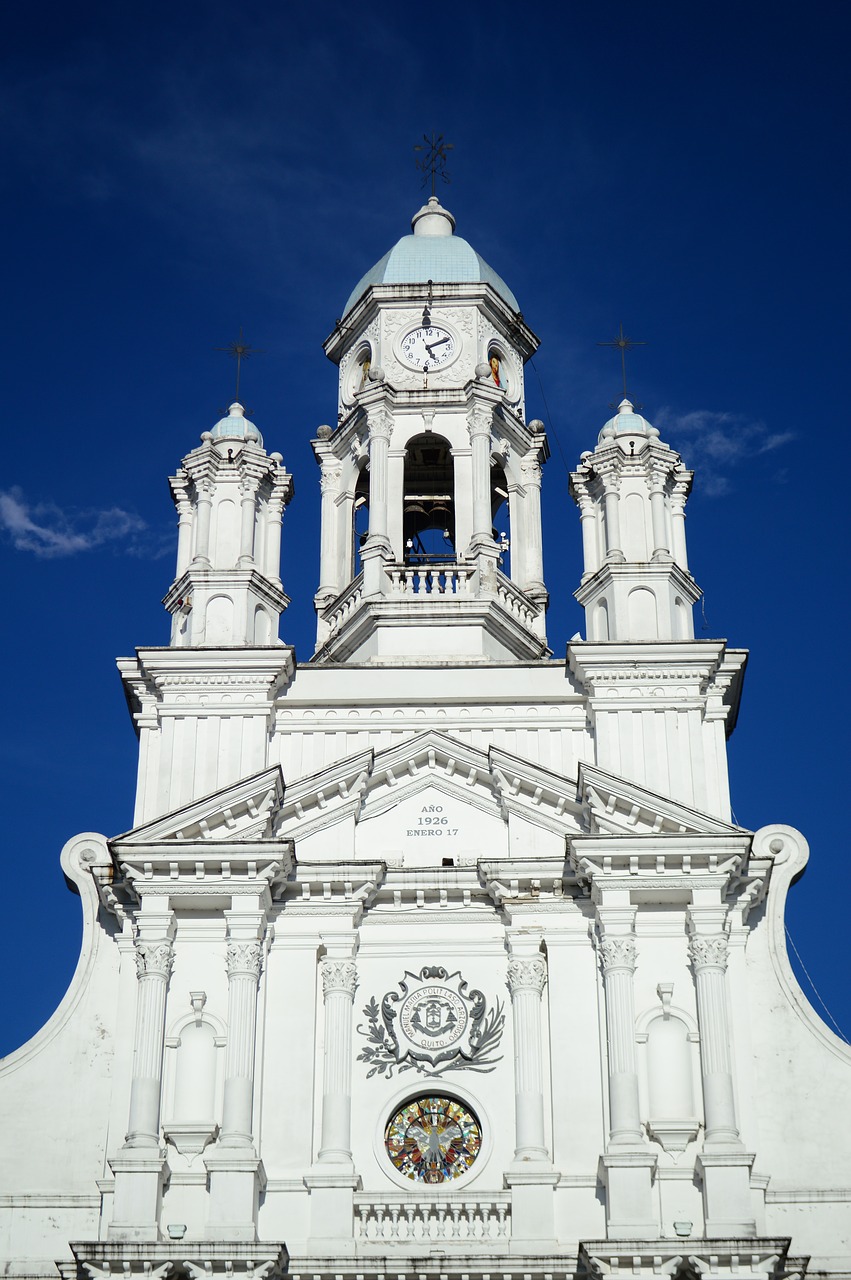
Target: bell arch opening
pixel 428 501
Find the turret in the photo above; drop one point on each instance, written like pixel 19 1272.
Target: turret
pixel 230 496
pixel 631 492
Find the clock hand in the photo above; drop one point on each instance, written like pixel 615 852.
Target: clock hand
pixel 429 346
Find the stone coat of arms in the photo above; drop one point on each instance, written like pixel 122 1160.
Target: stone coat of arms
pixel 433 1024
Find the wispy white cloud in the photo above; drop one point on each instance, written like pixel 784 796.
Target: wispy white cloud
pixel 714 444
pixel 47 531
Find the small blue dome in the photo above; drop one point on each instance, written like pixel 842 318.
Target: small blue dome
pixel 433 252
pixel 236 427
pixel 627 422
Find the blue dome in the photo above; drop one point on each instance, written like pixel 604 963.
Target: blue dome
pixel 627 422
pixel 432 253
pixel 236 427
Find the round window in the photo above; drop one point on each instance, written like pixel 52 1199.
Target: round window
pixel 433 1139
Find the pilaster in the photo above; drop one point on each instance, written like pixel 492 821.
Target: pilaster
pixel 236 1174
pixel 332 1180
pixel 140 1167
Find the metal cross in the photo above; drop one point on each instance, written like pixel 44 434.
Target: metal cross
pixel 623 344
pixel 434 159
pixel 240 350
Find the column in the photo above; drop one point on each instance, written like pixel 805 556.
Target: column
pixel 329 487
pixel 202 517
pixel 723 1163
pixel 339 980
pixel 526 978
pixel 678 523
pixel 611 500
pixel 661 550
pixel 530 1175
pixel 628 1163
pixel 332 1181
pixel 530 469
pixel 709 960
pixel 184 532
pixel 235 1170
pixel 380 431
pixel 243 964
pixel 376 548
pixel 246 532
pixel 139 1166
pixel 618 956
pixel 588 525
pixel 479 428
pixel 274 520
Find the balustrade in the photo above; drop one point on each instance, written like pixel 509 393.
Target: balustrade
pixel 416 1220
pixel 430 580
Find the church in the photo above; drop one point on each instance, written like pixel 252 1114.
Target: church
pixel 439 955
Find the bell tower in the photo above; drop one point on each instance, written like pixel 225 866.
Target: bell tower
pixel 431 479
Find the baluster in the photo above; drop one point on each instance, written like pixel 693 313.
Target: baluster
pixel 363 1214
pixel 456 1221
pixel 379 1221
pixel 485 1211
pixel 502 1219
pixel 410 1211
pixel 441 1215
pixel 394 1221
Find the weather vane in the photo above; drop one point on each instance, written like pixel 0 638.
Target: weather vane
pixel 623 344
pixel 433 160
pixel 240 350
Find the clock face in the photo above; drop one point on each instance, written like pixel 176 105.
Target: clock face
pixel 429 347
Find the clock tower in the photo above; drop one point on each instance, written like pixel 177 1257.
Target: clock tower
pixel 431 479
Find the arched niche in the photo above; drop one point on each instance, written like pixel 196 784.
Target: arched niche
pixel 428 500
pixel 670 1073
pixel 192 1082
pixel 682 619
pixel 635 528
pixel 642 614
pixel 262 626
pixel 225 534
pixel 218 628
pixel 601 620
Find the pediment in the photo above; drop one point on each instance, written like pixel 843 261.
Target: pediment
pixel 245 810
pixel 616 806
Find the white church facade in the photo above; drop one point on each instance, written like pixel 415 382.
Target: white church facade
pixel 435 957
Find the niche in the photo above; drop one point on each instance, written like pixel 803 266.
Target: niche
pixel 641 608
pixel 670 1064
pixel 193 1082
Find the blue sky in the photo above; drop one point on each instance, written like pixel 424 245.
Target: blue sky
pixel 170 173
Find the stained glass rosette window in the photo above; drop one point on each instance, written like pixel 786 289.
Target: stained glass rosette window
pixel 433 1139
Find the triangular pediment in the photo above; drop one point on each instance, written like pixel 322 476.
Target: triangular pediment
pixel 244 810
pixel 616 806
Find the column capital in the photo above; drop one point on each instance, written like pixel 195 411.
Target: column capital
pixel 329 476
pixel 244 958
pixel 618 952
pixel 154 958
pixel 708 952
pixel 480 421
pixel 338 976
pixel 527 973
pixel 379 423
